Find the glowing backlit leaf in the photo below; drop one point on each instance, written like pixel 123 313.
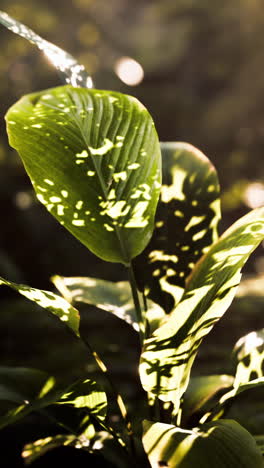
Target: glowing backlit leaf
pixel 220 444
pixel 113 297
pixel 185 225
pixel 94 160
pixel 169 353
pixel 71 71
pixel 49 301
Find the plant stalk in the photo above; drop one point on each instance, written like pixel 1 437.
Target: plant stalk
pixel 140 314
pixel 119 399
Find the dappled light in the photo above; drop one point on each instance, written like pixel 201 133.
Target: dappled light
pixel 185 225
pixel 114 192
pixel 168 355
pixel 129 391
pixel 50 301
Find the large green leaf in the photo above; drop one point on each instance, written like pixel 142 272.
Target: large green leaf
pixel 169 353
pixel 71 71
pixel 94 160
pixel 49 301
pixel 185 225
pixel 222 444
pixel 113 297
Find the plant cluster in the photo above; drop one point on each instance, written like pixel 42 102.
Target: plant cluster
pixel 94 159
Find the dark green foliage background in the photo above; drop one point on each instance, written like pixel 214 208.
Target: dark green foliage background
pixel 203 84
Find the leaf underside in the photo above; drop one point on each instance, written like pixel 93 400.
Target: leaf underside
pixel 113 297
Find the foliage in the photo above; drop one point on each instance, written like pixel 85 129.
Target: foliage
pixel 93 158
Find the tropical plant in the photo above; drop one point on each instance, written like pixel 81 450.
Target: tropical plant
pixel 94 160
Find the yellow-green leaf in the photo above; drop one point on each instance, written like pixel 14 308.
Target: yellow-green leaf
pixel 93 157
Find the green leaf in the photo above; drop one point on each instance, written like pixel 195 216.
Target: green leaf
pixel 249 351
pixel 49 301
pixel 88 395
pixel 71 71
pixel 169 353
pixel 34 450
pixel 113 297
pixel 102 442
pixel 94 161
pixel 185 226
pixel 201 390
pixel 222 444
pixel 22 391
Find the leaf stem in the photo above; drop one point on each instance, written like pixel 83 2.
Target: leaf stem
pixel 138 309
pixel 119 399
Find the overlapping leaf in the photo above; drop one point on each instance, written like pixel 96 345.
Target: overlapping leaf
pixel 222 444
pixel 185 226
pixel 249 371
pixel 169 353
pixel 201 391
pixel 94 160
pixel 71 71
pixel 113 297
pixel 49 301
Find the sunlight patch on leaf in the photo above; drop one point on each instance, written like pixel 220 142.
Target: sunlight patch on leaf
pixel 49 301
pixel 218 444
pixel 113 297
pixel 101 188
pixel 185 226
pixel 169 353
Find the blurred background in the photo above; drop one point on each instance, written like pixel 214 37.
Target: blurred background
pixel 197 65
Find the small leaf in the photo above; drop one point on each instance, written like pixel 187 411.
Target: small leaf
pixel 185 225
pixel 71 71
pixel 34 450
pixel 169 353
pixel 249 351
pixel 22 391
pixel 86 394
pixel 201 390
pixel 49 301
pixel 222 444
pixel 113 297
pixel 94 161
